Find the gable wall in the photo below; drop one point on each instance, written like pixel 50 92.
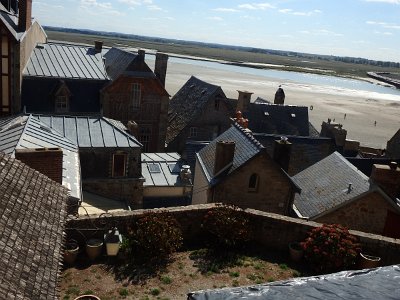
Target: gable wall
pixel 117 104
pixel 366 214
pixel 274 190
pixel 393 146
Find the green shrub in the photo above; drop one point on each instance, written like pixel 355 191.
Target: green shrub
pixel 123 292
pixel 229 226
pixel 331 248
pixel 155 292
pixel 154 236
pixel 166 279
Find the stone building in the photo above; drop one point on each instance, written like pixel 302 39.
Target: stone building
pixel 393 146
pixel 236 169
pixel 138 94
pixel 335 191
pixel 199 111
pixel 19 36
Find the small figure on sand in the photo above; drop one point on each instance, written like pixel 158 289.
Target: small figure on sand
pixel 375 123
pixel 345 115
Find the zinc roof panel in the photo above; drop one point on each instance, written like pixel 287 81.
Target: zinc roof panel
pixel 95 131
pixel 83 132
pixel 75 63
pixel 109 136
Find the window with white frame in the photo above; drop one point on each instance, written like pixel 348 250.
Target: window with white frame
pixel 136 94
pixel 61 104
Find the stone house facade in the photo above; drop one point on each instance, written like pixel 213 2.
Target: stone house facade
pixel 393 146
pixel 137 94
pixel 236 169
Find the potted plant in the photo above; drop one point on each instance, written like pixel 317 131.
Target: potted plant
pixel 368 261
pixel 93 248
pixel 71 251
pixel 113 240
pixel 331 248
pixel 296 251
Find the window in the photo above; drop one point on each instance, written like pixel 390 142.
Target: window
pixel 154 168
pixel 145 137
pixel 5 73
pixel 253 183
pixel 193 132
pixel 216 103
pixel 136 94
pixel 119 164
pixel 61 104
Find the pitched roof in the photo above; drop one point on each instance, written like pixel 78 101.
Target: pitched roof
pixel 365 164
pixel 27 132
pixel 305 152
pixel 325 185
pixel 119 61
pixel 246 147
pixel 32 218
pixel 188 103
pixel 66 61
pixel 90 131
pixel 161 169
pixel 278 119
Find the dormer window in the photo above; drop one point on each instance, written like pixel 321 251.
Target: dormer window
pixel 136 94
pixel 62 98
pixel 61 104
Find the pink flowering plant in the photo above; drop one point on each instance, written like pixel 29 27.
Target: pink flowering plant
pixel 331 248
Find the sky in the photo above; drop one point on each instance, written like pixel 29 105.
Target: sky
pixel 358 28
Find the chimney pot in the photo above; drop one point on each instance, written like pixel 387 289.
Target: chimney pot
pixel 282 153
pixel 160 67
pixel 279 96
pixel 98 46
pixel 393 165
pixel 244 100
pixel 141 54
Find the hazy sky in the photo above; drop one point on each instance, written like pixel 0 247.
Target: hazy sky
pixel 360 28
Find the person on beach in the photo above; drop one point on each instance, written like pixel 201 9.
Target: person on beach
pixel 345 116
pixel 375 123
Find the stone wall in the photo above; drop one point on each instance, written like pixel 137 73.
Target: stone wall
pixel 393 146
pixel 366 214
pixel 273 232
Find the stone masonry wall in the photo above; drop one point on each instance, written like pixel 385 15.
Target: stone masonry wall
pixel 273 231
pixel 367 214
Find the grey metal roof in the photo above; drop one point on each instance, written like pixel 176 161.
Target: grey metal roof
pixel 90 131
pixel 66 61
pixel 306 150
pixel 324 185
pixel 188 103
pixel 27 132
pixel 161 169
pixel 278 119
pixel 246 147
pixel 32 219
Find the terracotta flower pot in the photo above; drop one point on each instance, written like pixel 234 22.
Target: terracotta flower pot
pixel 71 252
pixel 94 248
pixel 296 252
pixel 87 297
pixel 368 261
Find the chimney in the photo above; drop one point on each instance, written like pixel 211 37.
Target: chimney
pixel 25 15
pixel 48 161
pixel 282 153
pixel 133 128
pixel 160 68
pixel 98 46
pixel 336 132
pixel 224 154
pixel 141 54
pixel 388 178
pixel 243 101
pixel 279 96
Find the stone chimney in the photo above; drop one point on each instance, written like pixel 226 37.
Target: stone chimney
pixel 141 54
pixel 388 178
pixel 243 101
pixel 25 15
pixel 48 161
pixel 282 153
pixel 336 132
pixel 160 68
pixel 224 154
pixel 98 46
pixel 279 96
pixel 133 128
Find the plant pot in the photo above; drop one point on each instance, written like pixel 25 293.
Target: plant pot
pixel 296 252
pixel 113 241
pixel 87 297
pixel 368 261
pixel 93 248
pixel 71 252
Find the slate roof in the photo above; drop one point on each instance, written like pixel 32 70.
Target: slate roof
pixel 188 103
pixel 246 147
pixel 365 164
pixel 119 61
pixel 161 169
pixel 32 218
pixel 65 61
pixel 90 131
pixel 27 132
pixel 278 119
pixel 305 152
pixel 325 184
pixel 189 153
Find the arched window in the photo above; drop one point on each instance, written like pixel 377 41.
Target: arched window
pixel 253 183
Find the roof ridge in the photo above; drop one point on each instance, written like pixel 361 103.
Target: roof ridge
pixel 249 136
pixel 349 164
pixel 129 136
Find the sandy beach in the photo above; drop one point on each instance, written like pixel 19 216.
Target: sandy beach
pixel 362 109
